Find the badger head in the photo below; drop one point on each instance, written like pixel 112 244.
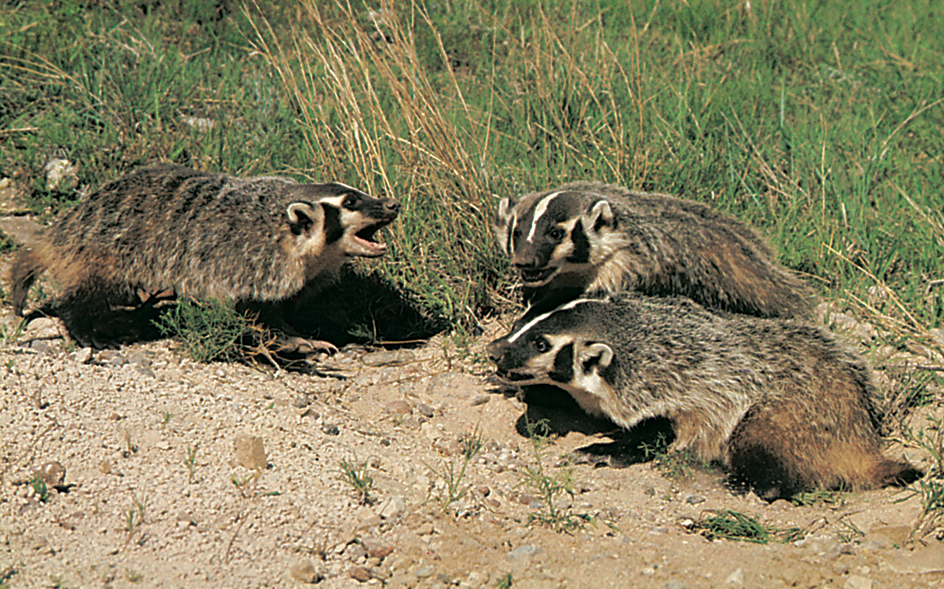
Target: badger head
pixel 351 218
pixel 558 349
pixel 554 236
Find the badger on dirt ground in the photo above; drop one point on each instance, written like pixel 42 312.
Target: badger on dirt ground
pixel 778 402
pixel 168 228
pixel 589 237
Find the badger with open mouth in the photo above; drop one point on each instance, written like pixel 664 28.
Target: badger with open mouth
pixel 588 237
pixel 167 228
pixel 778 402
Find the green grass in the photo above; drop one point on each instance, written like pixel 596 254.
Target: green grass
pixel 819 122
pixel 733 525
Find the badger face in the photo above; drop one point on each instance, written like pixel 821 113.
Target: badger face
pixel 552 234
pixel 352 218
pixel 555 348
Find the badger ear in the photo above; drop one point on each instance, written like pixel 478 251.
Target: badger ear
pixel 304 217
pixel 600 215
pixel 505 208
pixel 595 354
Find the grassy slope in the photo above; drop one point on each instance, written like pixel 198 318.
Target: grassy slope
pixel 818 121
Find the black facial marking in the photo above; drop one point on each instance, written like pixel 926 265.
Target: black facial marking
pixel 332 224
pixel 564 364
pixel 581 253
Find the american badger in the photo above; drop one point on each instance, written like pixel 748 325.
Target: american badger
pixel 778 402
pixel 255 240
pixel 586 237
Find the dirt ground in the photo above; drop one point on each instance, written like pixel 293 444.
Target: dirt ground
pixel 225 475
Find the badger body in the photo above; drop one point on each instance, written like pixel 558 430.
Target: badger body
pixel 203 235
pixel 589 237
pixel 778 402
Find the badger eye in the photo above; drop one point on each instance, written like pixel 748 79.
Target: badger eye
pixel 349 202
pixel 556 234
pixel 541 345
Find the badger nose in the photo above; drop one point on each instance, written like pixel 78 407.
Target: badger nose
pixel 391 206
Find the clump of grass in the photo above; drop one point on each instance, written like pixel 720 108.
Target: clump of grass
pixel 733 525
pixel 134 519
pixel 452 476
pixel 191 462
pixel 356 475
pixel 209 330
pixel 675 464
pixel 40 489
pixel 549 487
pixel 930 488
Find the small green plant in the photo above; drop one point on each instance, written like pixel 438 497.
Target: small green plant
pixel 356 475
pixel 848 531
pixel 675 464
pixel 39 488
pixel 818 497
pixel 453 489
pixel 133 576
pixel 208 330
pixel 166 417
pixel 549 487
pixel 246 484
pixel 134 518
pixel 191 462
pixel 733 525
pixel 505 581
pixel 931 519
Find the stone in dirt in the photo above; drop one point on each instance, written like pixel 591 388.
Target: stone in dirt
pixel 52 473
pixel 250 452
pixel 305 572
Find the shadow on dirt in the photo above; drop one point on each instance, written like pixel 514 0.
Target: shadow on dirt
pixel 562 414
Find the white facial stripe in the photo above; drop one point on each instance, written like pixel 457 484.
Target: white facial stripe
pixel 333 200
pixel 544 316
pixel 510 242
pixel 539 211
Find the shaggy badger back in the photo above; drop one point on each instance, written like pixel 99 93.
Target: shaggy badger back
pixel 779 402
pixel 587 237
pixel 202 235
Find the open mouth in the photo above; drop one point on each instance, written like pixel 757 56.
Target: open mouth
pixel 536 276
pixel 366 243
pixel 513 377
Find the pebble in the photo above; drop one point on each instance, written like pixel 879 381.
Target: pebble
pixel 857 582
pixel 388 357
pixel 695 499
pixel 735 579
pixel 480 400
pixel 359 573
pixel 425 571
pixel 330 429
pixel 523 551
pixel 398 408
pixel 250 452
pixel 305 572
pixel 52 473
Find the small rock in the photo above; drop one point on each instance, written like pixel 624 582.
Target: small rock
pixel 735 579
pixel 82 355
pixel 305 572
pixel 392 507
pixel 52 473
pixel 695 499
pixel 857 582
pixel 425 410
pixel 398 408
pixel 425 571
pixel 330 429
pixel 523 551
pixel 355 551
pixel 674 585
pixel 250 452
pixel 480 400
pixel 376 547
pixel 388 357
